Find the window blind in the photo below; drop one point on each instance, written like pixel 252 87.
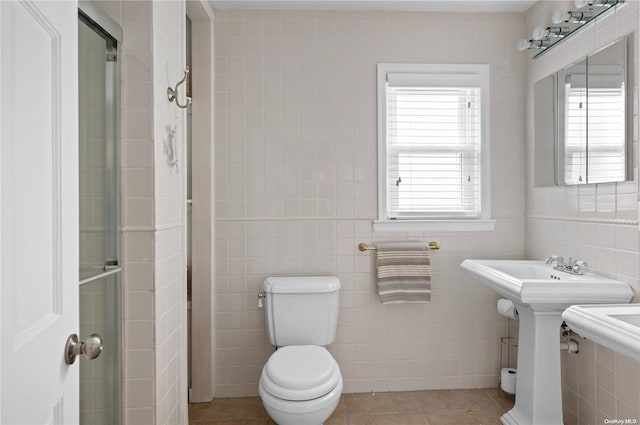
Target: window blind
pixel 575 138
pixel 595 134
pixel 433 152
pixel 606 129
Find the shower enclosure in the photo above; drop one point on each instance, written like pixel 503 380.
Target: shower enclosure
pixel 99 213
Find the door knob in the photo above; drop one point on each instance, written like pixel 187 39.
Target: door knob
pixel 90 347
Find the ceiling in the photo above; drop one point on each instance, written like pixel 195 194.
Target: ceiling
pixel 390 5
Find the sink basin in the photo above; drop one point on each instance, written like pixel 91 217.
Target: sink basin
pixel 539 286
pixel 615 326
pixel 541 294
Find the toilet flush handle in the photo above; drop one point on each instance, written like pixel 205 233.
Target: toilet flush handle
pixel 261 295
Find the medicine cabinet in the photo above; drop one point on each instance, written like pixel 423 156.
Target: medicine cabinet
pixel 581 129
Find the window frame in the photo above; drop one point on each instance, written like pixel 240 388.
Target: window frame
pixel 433 75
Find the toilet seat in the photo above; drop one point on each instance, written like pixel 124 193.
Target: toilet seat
pixel 300 372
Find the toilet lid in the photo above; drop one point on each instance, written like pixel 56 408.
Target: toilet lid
pixel 300 372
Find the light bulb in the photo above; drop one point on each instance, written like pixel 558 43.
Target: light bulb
pixel 539 33
pixel 522 45
pixel 560 16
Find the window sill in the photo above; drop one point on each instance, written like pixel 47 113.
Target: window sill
pixel 479 225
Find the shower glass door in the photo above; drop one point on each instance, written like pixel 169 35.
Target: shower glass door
pixel 99 244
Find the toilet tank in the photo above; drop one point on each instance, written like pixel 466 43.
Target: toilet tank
pixel 301 310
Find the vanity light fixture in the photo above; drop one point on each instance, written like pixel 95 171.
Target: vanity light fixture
pixel 565 23
pixel 590 3
pixel 524 44
pixel 540 33
pixel 572 17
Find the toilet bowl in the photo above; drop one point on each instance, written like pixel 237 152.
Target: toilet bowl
pixel 301 382
pixel 300 385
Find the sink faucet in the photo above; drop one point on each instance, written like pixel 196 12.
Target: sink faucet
pixel 554 259
pixel 575 266
pixel 571 266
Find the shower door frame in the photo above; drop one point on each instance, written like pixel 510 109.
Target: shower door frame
pixel 112 128
pixel 95 18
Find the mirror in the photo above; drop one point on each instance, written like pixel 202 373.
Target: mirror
pixel 572 117
pixel 580 126
pixel 606 160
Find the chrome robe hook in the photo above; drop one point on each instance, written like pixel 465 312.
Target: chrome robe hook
pixel 172 93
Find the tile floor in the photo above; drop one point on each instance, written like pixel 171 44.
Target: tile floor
pixel 454 407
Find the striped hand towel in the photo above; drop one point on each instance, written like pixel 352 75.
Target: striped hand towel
pixel 404 272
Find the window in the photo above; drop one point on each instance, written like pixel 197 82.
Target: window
pixel 606 127
pixel 595 129
pixel 575 138
pixel 433 157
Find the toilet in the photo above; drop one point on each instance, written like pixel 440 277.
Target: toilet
pixel 301 382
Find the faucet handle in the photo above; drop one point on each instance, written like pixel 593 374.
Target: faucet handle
pixel 576 266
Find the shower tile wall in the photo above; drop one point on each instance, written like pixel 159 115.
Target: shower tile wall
pixel 295 191
pixel 170 209
pixel 588 222
pixel 154 289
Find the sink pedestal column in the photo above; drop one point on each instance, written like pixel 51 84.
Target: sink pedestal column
pixel 539 385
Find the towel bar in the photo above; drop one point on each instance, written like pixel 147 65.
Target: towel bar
pixel 364 247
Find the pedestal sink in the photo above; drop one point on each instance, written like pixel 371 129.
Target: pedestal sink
pixel 540 295
pixel 616 326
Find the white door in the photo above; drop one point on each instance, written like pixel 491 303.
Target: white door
pixel 38 211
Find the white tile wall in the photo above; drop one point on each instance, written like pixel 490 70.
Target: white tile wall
pixel 154 288
pixel 136 164
pixel 168 39
pixel 295 192
pixel 589 222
